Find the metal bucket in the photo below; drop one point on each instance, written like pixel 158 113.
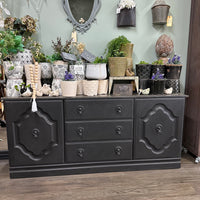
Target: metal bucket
pixel 160 13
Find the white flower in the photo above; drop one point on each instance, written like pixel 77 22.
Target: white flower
pixel 126 4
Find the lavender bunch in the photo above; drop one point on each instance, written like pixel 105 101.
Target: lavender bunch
pixel 157 75
pixel 68 76
pixel 175 60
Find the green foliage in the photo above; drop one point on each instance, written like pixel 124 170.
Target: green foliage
pixel 143 63
pixel 10 44
pixel 99 60
pixel 55 57
pixel 158 62
pixel 11 68
pixel 113 48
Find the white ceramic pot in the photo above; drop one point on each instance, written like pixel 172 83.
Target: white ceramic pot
pixel 90 88
pixel 96 71
pixel 69 88
pixel 103 87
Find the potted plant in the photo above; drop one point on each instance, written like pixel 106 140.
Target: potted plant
pixel 10 44
pixel 69 85
pixel 173 68
pixel 97 69
pixel 158 64
pixel 160 11
pixel 126 13
pixel 143 70
pixel 157 83
pixel 90 87
pixel 116 58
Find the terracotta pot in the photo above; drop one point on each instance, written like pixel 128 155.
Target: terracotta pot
pixel 69 88
pixel 117 66
pixel 90 88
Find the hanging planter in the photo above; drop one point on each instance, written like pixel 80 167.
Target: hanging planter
pixel 126 14
pixel 160 11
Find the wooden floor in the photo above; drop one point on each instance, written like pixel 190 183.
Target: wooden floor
pixel 3 140
pixel 179 184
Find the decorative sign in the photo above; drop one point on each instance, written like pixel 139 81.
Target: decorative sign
pixel 86 55
pixel 68 56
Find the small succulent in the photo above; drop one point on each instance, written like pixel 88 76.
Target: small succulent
pixel 143 63
pixel 100 60
pixel 126 4
pixel 175 60
pixel 157 62
pixel 157 75
pixel 68 76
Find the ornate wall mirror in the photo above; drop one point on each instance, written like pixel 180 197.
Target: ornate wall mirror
pixel 81 13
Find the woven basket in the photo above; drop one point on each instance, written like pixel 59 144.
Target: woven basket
pixel 129 64
pixel 128 50
pixel 103 87
pixel 143 71
pixel 175 84
pixel 117 66
pixel 90 88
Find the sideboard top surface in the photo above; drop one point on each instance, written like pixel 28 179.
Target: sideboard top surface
pixel 96 97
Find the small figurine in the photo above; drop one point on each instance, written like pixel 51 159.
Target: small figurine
pixel 168 91
pixel 145 91
pixel 129 73
pixel 46 90
pixel 54 93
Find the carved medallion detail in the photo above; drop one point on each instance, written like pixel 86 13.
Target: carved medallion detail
pixel 35 135
pixel 159 129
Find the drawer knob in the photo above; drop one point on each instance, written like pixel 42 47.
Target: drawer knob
pixel 119 109
pixel 119 130
pixel 80 152
pixel 80 131
pixel 159 129
pixel 118 150
pixel 80 109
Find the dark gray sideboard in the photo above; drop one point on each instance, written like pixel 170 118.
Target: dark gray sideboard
pixel 94 134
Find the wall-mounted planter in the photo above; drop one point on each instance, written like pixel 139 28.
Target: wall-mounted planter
pixel 126 17
pixel 160 11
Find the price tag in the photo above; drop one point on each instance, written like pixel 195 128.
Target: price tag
pixel 169 21
pixel 118 10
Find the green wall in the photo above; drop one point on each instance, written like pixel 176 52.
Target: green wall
pixel 53 23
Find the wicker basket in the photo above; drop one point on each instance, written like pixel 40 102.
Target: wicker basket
pixel 103 87
pixel 117 66
pixel 128 50
pixel 90 88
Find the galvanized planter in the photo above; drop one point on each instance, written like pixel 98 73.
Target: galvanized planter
pixel 127 18
pixel 160 11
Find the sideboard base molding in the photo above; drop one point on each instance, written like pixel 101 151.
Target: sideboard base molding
pixel 57 170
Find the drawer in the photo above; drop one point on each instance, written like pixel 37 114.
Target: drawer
pixel 98 130
pixel 102 151
pixel 98 109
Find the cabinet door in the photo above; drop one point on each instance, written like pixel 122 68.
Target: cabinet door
pixel 158 128
pixel 35 138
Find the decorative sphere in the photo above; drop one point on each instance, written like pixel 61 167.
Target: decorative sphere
pixel 164 46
